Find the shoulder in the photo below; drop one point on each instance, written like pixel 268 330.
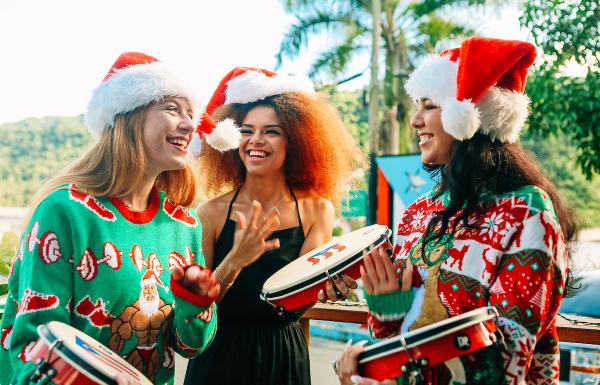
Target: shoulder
pixel 527 201
pixel 214 210
pixel 313 205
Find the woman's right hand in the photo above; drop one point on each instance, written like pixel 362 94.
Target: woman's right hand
pixel 346 367
pixel 250 239
pixel 378 273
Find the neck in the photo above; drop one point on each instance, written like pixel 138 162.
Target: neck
pixel 138 199
pixel 265 188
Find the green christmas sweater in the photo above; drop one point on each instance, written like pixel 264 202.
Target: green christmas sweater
pixel 94 264
pixel 512 256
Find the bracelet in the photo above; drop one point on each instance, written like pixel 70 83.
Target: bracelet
pixel 222 281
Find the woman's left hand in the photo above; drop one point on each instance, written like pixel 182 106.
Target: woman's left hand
pixel 342 283
pixel 347 367
pixel 198 280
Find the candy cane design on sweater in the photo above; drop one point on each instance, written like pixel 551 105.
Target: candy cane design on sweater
pixel 179 213
pixel 91 203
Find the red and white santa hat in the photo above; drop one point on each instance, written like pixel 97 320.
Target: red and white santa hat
pixel 151 278
pixel 243 85
pixel 479 87
pixel 134 80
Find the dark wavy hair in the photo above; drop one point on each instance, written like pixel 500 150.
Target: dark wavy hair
pixel 479 165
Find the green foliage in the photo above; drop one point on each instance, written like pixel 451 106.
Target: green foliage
pixel 32 150
pixel 558 158
pixel 567 31
pixel 355 114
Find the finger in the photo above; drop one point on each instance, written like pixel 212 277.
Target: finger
pixel 255 214
pixel 358 380
pixel 177 273
pixel 242 223
pixel 321 296
pixel 407 275
pixel 379 268
pixel 214 290
pixel 366 280
pixel 351 283
pixel 370 269
pixel 272 244
pixel 270 225
pixel 331 295
pixel 388 266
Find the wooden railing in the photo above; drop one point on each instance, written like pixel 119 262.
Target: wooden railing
pixel 567 331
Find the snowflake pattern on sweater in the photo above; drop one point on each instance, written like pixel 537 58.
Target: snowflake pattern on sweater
pixel 512 256
pixel 104 269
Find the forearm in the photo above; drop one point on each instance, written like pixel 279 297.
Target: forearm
pixel 227 272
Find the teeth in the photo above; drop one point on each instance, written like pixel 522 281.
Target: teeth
pixel 425 138
pixel 179 142
pixel 260 154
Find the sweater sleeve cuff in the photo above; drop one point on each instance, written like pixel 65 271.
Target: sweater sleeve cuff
pixel 389 306
pixel 182 292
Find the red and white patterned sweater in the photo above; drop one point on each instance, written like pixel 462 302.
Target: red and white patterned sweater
pixel 515 259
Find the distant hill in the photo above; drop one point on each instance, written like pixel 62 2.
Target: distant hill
pixel 31 150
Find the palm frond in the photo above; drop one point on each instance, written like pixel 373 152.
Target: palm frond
pixel 335 60
pixel 297 37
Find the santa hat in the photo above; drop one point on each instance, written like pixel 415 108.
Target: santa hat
pixel 479 87
pixel 243 85
pixel 134 80
pixel 151 278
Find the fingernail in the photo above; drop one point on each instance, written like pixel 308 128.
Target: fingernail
pixel 341 275
pixel 355 378
pixel 349 343
pixel 362 342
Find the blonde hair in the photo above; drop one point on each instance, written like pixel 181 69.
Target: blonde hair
pixel 115 164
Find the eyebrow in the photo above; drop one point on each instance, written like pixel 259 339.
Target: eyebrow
pixel 265 126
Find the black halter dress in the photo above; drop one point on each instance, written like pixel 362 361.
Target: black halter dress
pixel 254 345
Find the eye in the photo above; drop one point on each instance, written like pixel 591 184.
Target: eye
pixel 245 131
pixel 272 132
pixel 171 108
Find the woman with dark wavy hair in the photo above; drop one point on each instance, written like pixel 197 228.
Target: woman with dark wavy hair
pixel 295 158
pixel 493 232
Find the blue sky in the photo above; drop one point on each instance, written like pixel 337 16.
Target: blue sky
pixel 55 52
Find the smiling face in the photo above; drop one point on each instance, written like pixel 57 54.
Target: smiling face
pixel 434 142
pixel 264 142
pixel 166 134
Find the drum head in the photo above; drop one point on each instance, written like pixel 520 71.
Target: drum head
pixel 87 354
pixel 331 258
pixel 427 333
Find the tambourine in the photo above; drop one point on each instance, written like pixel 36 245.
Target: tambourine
pixel 430 345
pixel 298 283
pixel 65 355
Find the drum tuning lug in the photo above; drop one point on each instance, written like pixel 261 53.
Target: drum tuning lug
pixel 423 362
pixel 498 340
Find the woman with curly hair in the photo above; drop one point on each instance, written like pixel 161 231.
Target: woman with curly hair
pixel 295 158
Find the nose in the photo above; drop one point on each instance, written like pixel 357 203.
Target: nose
pixel 417 121
pixel 186 124
pixel 256 137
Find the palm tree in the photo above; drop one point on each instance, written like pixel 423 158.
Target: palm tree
pixel 409 29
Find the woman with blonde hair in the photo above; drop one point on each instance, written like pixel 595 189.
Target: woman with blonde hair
pixel 295 158
pixel 110 246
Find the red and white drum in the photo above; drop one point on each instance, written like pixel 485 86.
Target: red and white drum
pixel 298 283
pixel 430 345
pixel 65 355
